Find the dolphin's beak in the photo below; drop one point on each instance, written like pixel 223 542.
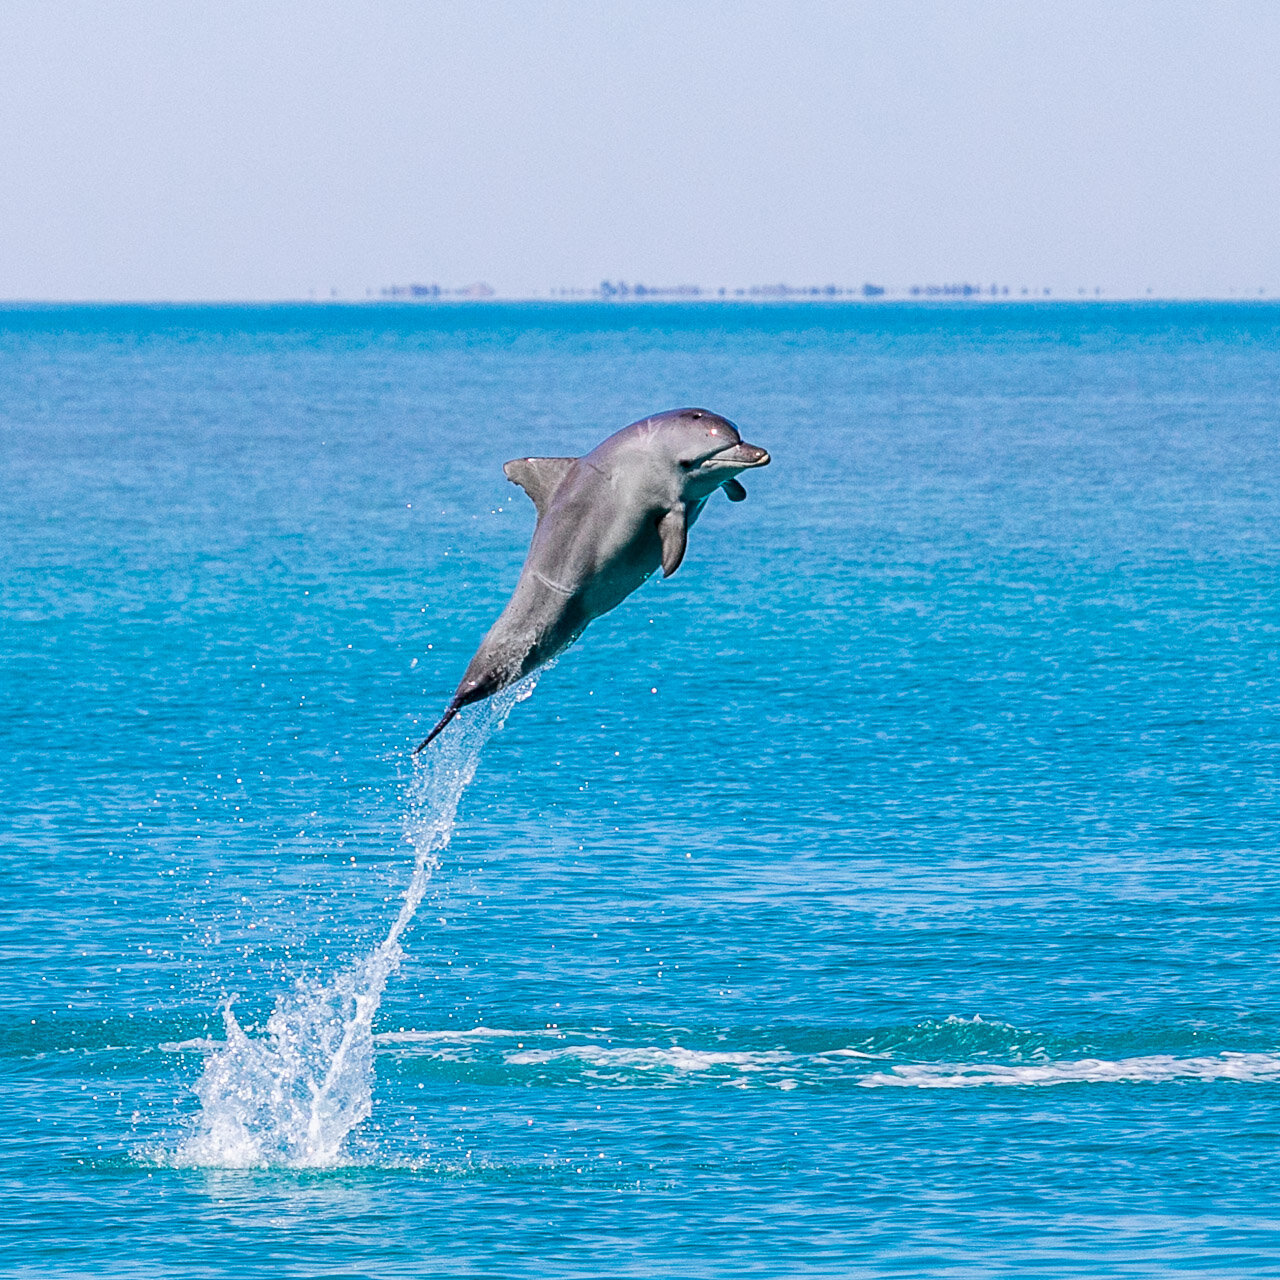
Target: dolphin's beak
pixel 745 455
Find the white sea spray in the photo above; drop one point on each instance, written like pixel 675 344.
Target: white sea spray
pixel 293 1096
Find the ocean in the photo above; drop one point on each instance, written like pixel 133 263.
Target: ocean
pixel 893 891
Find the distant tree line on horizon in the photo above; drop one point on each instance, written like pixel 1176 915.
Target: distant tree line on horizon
pixel 426 292
pixel 621 291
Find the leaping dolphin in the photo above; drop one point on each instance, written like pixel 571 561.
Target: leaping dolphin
pixel 606 522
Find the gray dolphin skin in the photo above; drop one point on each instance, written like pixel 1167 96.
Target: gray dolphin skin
pixel 606 522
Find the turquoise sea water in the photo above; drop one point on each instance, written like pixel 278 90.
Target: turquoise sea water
pixel 892 892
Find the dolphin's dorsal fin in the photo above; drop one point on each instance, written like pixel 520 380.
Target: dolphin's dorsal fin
pixel 538 477
pixel 673 529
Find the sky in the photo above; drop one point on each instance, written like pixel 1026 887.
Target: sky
pixel 156 149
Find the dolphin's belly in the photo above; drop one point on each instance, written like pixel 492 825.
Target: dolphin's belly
pixel 616 577
pixel 557 597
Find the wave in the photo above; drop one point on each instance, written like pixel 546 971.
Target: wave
pixel 646 1058
pixel 476 1034
pixel 920 1056
pixel 1246 1068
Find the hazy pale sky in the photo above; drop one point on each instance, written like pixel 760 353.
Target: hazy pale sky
pixel 249 149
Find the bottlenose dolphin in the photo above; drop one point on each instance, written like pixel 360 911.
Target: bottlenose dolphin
pixel 606 522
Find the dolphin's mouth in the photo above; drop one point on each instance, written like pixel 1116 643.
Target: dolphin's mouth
pixel 741 455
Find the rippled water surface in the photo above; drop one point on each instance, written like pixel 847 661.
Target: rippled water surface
pixel 894 891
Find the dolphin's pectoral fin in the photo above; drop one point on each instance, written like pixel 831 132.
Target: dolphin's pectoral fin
pixel 538 477
pixel 674 532
pixel 734 491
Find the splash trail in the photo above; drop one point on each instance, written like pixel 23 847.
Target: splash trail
pixel 292 1097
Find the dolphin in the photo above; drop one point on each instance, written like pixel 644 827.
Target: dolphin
pixel 606 522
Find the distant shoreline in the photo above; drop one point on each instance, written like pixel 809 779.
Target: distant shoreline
pixel 683 303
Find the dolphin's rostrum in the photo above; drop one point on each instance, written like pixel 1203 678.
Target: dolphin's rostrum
pixel 606 521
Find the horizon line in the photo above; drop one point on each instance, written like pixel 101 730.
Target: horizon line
pixel 796 298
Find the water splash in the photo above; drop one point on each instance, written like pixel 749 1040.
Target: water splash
pixel 292 1097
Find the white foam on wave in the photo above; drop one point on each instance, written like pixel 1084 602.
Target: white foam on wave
pixel 292 1096
pixel 824 1068
pixel 781 1068
pixel 1247 1068
pixel 473 1036
pixel 654 1058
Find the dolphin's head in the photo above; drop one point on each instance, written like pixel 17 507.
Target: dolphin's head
pixel 705 451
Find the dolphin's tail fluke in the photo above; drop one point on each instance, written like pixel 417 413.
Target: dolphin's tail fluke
pixel 476 688
pixel 444 720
